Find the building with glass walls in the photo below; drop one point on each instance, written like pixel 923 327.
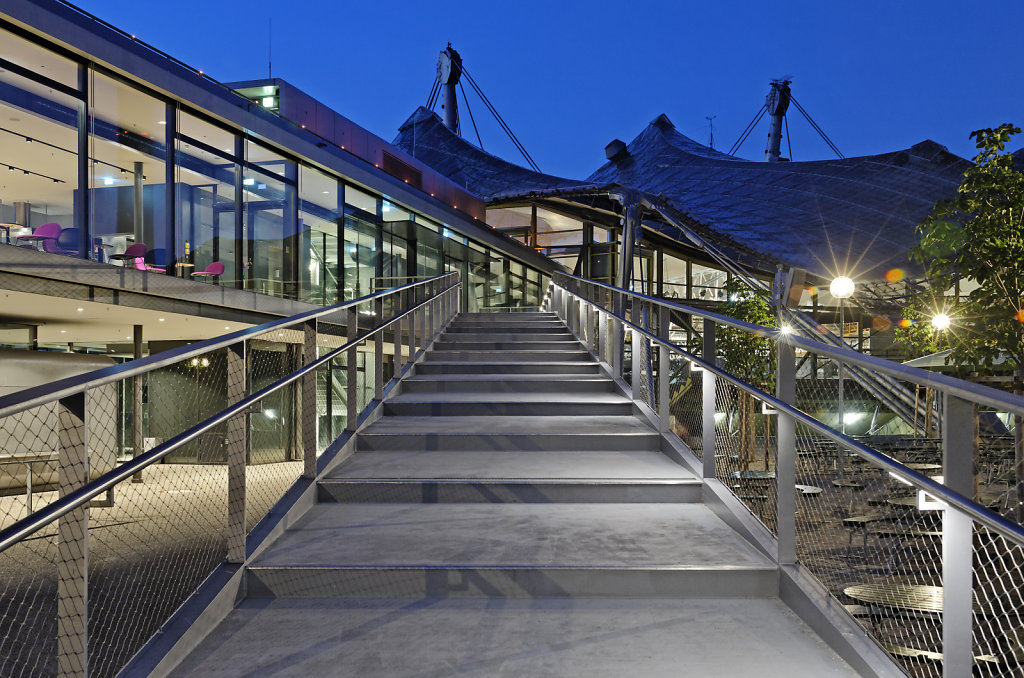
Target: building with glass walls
pixel 144 205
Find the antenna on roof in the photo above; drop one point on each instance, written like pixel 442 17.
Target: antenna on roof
pixel 711 129
pixel 270 46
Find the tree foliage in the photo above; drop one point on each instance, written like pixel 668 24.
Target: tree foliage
pixel 979 236
pixel 748 356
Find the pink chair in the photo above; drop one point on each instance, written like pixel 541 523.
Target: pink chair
pixel 136 253
pixel 45 234
pixel 212 271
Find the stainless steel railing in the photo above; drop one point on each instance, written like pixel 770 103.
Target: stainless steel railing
pixel 980 562
pixel 110 573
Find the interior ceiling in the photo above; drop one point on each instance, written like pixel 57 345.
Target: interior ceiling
pixel 62 320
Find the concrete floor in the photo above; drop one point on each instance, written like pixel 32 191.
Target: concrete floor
pixel 429 638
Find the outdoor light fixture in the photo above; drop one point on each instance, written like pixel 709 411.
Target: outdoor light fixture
pixel 786 329
pixel 940 321
pixel 841 288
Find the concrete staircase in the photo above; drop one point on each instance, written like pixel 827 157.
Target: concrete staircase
pixel 510 515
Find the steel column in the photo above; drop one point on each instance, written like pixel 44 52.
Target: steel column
pixel 958 453
pixel 73 546
pixel 238 429
pixel 664 372
pixel 785 470
pixel 708 409
pixel 137 441
pixel 307 402
pixel 351 370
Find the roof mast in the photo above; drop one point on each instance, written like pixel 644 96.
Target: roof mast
pixel 449 70
pixel 777 103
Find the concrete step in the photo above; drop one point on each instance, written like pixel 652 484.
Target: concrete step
pixel 471 337
pixel 489 328
pixel 499 343
pixel 511 550
pixel 573 464
pixel 440 367
pixel 519 404
pixel 509 491
pixel 506 317
pixel 569 638
pixel 512 383
pixel 509 356
pixel 512 433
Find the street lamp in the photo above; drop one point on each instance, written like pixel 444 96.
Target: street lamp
pixel 841 288
pixel 940 321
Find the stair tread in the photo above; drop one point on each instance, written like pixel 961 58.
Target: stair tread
pixel 582 465
pixel 609 424
pixel 512 397
pixel 455 378
pixel 662 536
pixel 594 638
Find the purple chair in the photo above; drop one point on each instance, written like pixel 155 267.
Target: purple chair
pixel 212 271
pixel 136 254
pixel 46 234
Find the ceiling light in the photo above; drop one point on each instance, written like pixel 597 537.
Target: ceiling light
pixel 249 182
pixel 162 122
pixel 162 319
pixel 63 331
pixel 79 309
pixel 107 181
pixel 268 102
pixel 227 327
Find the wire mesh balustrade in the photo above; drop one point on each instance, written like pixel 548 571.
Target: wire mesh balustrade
pixel 111 547
pixel 900 513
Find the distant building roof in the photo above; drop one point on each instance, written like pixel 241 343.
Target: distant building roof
pixel 855 216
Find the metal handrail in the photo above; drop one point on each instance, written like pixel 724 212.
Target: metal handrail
pixel 962 389
pixel 993 521
pixel 90 490
pixel 25 399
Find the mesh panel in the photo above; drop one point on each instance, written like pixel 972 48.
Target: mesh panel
pixel 141 549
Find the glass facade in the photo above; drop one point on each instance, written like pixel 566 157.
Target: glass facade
pixel 97 167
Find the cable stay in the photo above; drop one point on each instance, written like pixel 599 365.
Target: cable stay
pixel 501 121
pixel 471 118
pixel 435 91
pixel 816 128
pixel 750 128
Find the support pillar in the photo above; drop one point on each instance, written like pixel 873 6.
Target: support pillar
pixel 237 447
pixel 958 453
pixel 73 545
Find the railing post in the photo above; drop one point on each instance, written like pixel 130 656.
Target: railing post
pixel 423 319
pixel 410 321
pixel 138 444
pixel 397 306
pixel 602 335
pixel 73 547
pixel 351 370
pixel 785 468
pixel 958 454
pixel 664 372
pixel 238 429
pixel 308 401
pixel 378 351
pixel 708 410
pixel 636 380
pixel 618 334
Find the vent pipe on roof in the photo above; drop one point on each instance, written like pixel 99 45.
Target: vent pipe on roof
pixel 449 70
pixel 777 104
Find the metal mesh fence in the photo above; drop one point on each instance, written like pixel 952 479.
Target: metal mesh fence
pixel 93 586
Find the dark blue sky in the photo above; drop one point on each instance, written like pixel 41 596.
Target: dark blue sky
pixel 568 77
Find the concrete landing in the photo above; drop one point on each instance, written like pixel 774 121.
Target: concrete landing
pixel 676 536
pixel 604 638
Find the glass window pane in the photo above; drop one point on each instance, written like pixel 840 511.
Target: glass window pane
pixel 206 205
pixel 39 166
pixel 393 212
pixel 320 224
pixel 269 160
pixel 127 148
pixel 211 135
pixel 361 200
pixel 38 59
pixel 271 239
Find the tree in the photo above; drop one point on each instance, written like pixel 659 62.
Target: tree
pixel 747 356
pixel 977 238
